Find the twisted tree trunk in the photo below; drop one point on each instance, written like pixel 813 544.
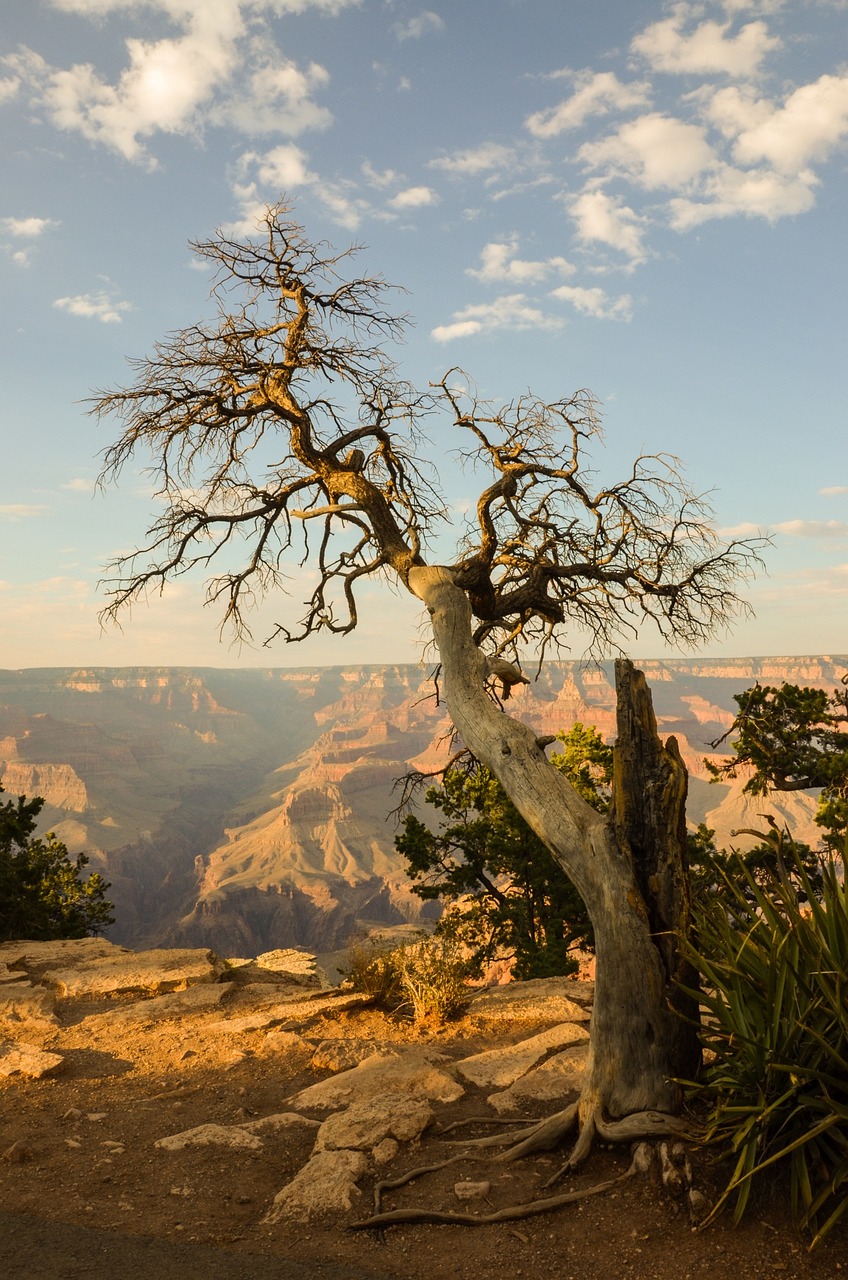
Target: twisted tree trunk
pixel 628 865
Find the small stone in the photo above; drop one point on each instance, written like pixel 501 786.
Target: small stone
pixel 471 1190
pixel 385 1151
pixel 72 1113
pixel 73 1144
pixel 94 1116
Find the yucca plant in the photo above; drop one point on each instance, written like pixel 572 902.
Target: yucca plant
pixel 773 959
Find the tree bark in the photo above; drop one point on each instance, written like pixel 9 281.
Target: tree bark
pixel 628 866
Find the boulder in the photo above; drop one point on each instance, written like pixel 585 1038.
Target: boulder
pixel 364 1125
pixel 326 1184
pixel 503 1066
pixel 26 1009
pixel 553 1081
pixel 212 1135
pixel 28 1060
pixel 416 1073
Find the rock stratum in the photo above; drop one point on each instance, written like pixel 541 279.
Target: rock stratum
pixel 248 810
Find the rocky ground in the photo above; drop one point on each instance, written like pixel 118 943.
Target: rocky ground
pixel 165 1114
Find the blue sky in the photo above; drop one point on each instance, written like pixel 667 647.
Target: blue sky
pixel 648 200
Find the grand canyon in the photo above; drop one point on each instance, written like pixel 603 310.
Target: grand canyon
pixel 252 809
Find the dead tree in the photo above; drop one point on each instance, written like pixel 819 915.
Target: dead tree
pixel 282 429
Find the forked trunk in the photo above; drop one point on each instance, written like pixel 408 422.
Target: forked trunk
pixel 629 866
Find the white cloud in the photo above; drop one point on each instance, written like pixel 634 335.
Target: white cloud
pixel 27 228
pixel 834 491
pixel 283 169
pixel 808 127
pixel 653 150
pixel 95 306
pixel 488 156
pixel 595 302
pixel 498 264
pixel 511 312
pixel 750 192
pixel 604 219
pixel 708 49
pixel 413 198
pixel 596 94
pixel 426 21
pixel 9 88
pixel 277 98
pixel 222 68
pixel 79 485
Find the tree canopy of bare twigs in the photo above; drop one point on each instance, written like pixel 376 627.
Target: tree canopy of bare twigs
pixel 280 432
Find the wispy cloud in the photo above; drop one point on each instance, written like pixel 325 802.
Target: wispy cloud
pixel 813 528
pixel 596 94
pixel 423 24
pixel 833 490
pixel 21 510
pixel 595 302
pixel 94 306
pixel 473 160
pixel 499 263
pixel 510 311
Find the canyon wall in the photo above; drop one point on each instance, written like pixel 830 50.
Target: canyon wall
pixel 251 809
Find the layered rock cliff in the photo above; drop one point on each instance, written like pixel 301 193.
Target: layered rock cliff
pixel 249 810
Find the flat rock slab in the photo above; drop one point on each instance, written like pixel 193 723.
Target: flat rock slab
pixel 277 1123
pixel 504 1066
pixel 416 1073
pixel 28 1060
pixel 35 958
pixel 160 1008
pixel 156 972
pixel 364 1125
pixel 212 1135
pixel 553 1081
pixel 540 1000
pixel 327 1184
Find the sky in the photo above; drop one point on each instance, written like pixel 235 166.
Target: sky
pixel 645 199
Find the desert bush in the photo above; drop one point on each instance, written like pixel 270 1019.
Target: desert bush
pixel 372 968
pixel 434 974
pixel 773 959
pixel 428 976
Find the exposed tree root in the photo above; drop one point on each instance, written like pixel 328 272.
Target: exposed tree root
pixel 391 1184
pixel 464 1124
pixel 511 1214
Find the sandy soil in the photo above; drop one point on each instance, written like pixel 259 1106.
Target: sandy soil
pixel 84 1191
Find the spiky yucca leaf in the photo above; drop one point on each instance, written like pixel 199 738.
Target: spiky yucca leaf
pixel 774 973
